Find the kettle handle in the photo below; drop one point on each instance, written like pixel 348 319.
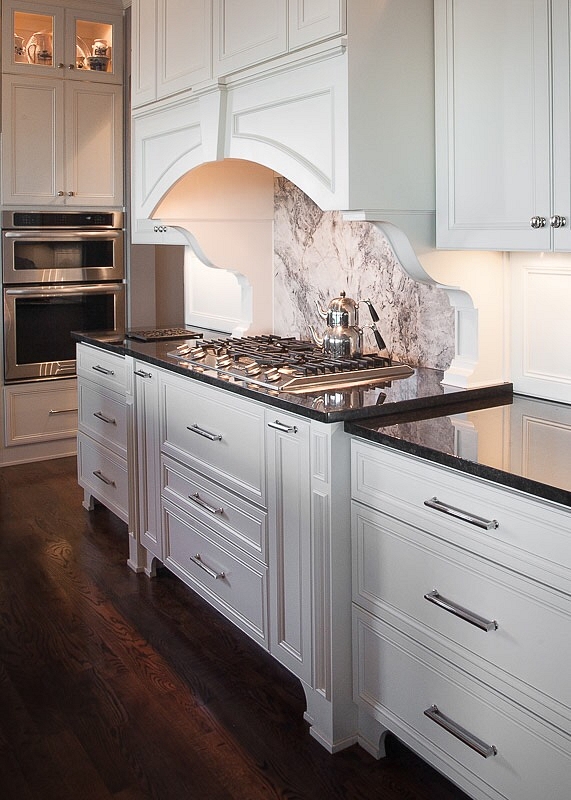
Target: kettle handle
pixel 375 317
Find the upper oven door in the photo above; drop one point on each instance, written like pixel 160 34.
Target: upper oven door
pixel 59 256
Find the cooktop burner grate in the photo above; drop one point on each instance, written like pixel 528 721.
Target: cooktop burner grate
pixel 162 334
pixel 287 364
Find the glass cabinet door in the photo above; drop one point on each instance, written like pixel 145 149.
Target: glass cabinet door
pixel 95 45
pixel 32 37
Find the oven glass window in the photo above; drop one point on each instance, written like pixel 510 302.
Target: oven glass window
pixel 43 324
pixel 61 255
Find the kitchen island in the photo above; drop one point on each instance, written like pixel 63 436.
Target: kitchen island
pixel 254 499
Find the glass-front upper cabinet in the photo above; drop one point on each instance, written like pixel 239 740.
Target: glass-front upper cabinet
pixel 49 40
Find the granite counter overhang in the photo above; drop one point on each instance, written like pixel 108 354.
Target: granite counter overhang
pixel 414 433
pixel 421 391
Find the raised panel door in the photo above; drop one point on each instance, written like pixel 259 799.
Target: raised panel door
pixel 33 140
pixel 493 123
pixel 248 32
pixel 184 47
pixel 94 172
pixel 311 21
pixel 143 52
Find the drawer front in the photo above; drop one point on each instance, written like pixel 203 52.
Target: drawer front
pixel 223 575
pixel 40 412
pixel 217 434
pixel 397 568
pixel 102 415
pixel 104 474
pixel 105 368
pixel 235 519
pixel 531 535
pixel 397 680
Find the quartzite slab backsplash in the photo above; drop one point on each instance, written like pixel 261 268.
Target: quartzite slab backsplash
pixel 317 255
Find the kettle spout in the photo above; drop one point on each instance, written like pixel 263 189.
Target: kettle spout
pixel 316 338
pixel 320 310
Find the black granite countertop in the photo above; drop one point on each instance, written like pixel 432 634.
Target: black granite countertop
pixel 421 390
pixel 522 443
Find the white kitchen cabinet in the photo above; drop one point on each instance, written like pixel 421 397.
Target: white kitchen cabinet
pixel 102 429
pixel 503 124
pixel 460 651
pixel 311 21
pixel 248 32
pixel 48 39
pixel 171 47
pixel 289 504
pixel 62 142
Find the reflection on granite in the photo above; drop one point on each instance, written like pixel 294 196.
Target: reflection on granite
pixel 318 255
pixel 524 444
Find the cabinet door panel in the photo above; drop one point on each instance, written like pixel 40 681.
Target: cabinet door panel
pixel 313 20
pixel 184 45
pixel 32 157
pixel 493 123
pixel 248 32
pixel 93 144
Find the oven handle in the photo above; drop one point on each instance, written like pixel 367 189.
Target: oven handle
pixel 76 235
pixel 53 289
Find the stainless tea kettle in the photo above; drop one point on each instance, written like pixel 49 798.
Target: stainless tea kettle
pixel 343 337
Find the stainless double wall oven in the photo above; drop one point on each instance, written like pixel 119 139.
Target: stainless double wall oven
pixel 62 271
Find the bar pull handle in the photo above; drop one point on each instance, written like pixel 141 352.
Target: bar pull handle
pixel 53 411
pixel 197 559
pixel 214 437
pixel 280 426
pixel 101 476
pixel 99 368
pixel 142 374
pixel 103 418
pixel 458 513
pixel 459 611
pixel 483 749
pixel 196 498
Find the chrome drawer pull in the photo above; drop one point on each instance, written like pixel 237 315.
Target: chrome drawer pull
pixel 53 411
pixel 280 426
pixel 200 563
pixel 101 476
pixel 104 371
pixel 473 519
pixel 459 611
pixel 196 498
pixel 214 437
pixel 483 749
pixel 103 418
pixel 143 374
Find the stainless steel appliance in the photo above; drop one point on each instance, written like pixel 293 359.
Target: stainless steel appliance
pixel 285 364
pixel 62 271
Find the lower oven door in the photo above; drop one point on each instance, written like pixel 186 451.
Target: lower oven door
pixel 38 322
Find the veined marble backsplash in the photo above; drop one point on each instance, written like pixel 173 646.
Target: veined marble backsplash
pixel 317 255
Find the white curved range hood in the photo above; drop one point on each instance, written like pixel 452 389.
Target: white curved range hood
pixel 338 127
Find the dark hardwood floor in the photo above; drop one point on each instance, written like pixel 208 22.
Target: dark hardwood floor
pixel 115 686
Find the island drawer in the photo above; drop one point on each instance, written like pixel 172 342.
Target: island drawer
pixel 222 574
pixel 102 415
pixel 105 368
pixel 216 433
pixel 233 518
pixel 473 608
pixel 525 533
pixel 103 474
pixel 398 680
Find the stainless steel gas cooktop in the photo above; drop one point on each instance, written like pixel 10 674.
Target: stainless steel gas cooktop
pixel 286 364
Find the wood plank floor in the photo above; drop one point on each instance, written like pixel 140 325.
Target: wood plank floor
pixel 115 686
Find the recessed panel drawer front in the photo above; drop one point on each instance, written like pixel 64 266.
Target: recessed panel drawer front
pixel 398 568
pixel 231 517
pixel 105 368
pixel 216 433
pixel 104 474
pixel 226 577
pixel 102 415
pixel 531 535
pixel 398 679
